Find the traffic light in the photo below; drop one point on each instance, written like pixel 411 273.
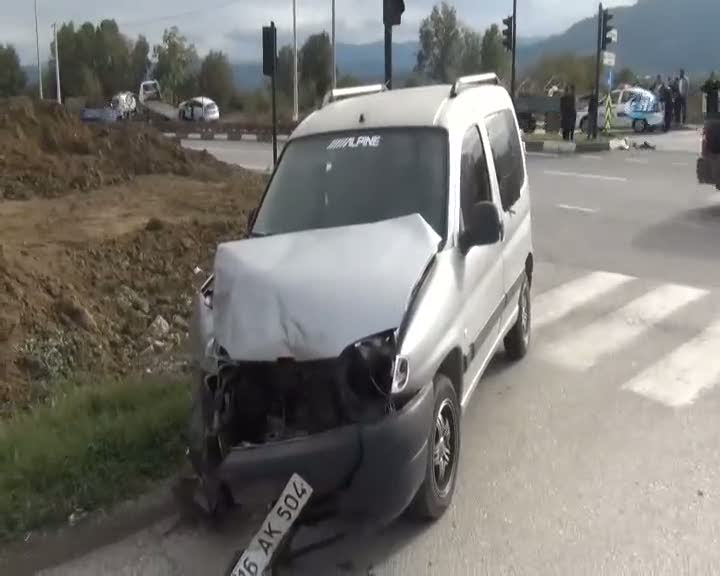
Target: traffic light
pixel 509 23
pixel 269 37
pixel 607 38
pixel 392 12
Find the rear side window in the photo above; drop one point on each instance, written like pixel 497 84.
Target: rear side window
pixel 474 182
pixel 507 154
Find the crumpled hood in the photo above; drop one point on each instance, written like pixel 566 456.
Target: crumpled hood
pixel 308 295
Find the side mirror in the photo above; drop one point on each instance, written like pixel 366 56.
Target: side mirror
pixel 483 229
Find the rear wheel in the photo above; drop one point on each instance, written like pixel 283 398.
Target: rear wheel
pixel 517 340
pixel 640 126
pixel 436 491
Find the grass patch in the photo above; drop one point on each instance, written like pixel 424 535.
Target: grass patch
pixel 91 445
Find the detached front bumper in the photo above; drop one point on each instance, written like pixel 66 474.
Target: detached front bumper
pixel 370 472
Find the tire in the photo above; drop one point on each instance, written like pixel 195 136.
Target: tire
pixel 640 126
pixel 517 340
pixel 438 487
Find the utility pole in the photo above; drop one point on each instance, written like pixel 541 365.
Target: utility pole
pixel 57 65
pixel 334 64
pixel 37 45
pixel 514 51
pixel 594 110
pixel 296 112
pixel 392 16
pixel 388 56
pixel 269 35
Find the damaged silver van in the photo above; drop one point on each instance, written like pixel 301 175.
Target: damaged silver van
pixel 390 257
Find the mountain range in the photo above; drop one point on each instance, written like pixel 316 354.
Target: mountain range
pixel 654 37
pixel 365 62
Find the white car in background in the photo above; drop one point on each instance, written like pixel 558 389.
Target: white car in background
pixel 124 103
pixel 621 98
pixel 199 109
pixel 149 90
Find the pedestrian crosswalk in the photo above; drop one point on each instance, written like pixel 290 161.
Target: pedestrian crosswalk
pixel 600 317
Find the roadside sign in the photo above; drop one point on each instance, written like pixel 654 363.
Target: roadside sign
pixel 608 58
pixel 609 113
pixel 613 35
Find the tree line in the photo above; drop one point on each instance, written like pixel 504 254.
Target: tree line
pixel 98 61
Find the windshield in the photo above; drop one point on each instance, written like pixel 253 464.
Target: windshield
pixel 359 177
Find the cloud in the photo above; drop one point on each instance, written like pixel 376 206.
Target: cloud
pixel 235 26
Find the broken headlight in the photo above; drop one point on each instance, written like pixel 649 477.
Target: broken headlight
pixel 375 360
pixel 206 290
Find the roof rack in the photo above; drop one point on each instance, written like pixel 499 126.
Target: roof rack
pixel 342 93
pixel 474 80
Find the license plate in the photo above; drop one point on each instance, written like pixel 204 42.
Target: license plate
pixel 264 545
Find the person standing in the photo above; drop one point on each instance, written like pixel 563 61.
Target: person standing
pixel 667 100
pixel 657 88
pixel 677 104
pixel 568 113
pixel 684 91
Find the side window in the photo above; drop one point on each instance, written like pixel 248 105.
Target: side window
pixel 507 154
pixel 627 96
pixel 474 181
pixel 615 96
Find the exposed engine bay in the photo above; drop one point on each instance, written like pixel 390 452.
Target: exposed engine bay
pixel 254 403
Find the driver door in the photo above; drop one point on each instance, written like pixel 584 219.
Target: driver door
pixel 482 281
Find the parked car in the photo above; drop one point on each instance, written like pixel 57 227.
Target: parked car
pixel 106 115
pixel 389 259
pixel 149 90
pixel 199 109
pixel 620 98
pixel 125 104
pixel 645 112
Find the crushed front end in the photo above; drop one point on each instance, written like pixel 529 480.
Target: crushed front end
pixel 332 421
pixel 299 371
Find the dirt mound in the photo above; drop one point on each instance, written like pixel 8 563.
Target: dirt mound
pixel 103 281
pixel 46 152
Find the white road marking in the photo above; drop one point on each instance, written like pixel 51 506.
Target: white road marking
pixel 577 208
pixel 580 350
pixel 681 164
pixel 637 160
pixel 590 157
pixel 677 379
pixel 557 303
pixel 588 176
pixel 542 154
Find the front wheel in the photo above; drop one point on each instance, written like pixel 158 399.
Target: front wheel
pixel 640 126
pixel 517 340
pixel 436 491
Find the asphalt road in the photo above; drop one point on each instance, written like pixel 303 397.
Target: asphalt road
pixel 598 453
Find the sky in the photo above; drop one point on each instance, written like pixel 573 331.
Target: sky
pixel 235 26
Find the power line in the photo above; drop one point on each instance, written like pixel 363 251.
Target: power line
pixel 187 13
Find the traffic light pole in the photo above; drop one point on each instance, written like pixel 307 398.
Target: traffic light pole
pixel 388 57
pixel 514 51
pixel 594 117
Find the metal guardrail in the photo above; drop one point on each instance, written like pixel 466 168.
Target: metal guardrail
pixel 223 131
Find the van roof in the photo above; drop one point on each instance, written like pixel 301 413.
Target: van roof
pixel 426 106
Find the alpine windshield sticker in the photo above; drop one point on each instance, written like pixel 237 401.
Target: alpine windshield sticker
pixel 355 142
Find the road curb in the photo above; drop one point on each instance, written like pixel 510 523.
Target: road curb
pixel 47 548
pixel 549 147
